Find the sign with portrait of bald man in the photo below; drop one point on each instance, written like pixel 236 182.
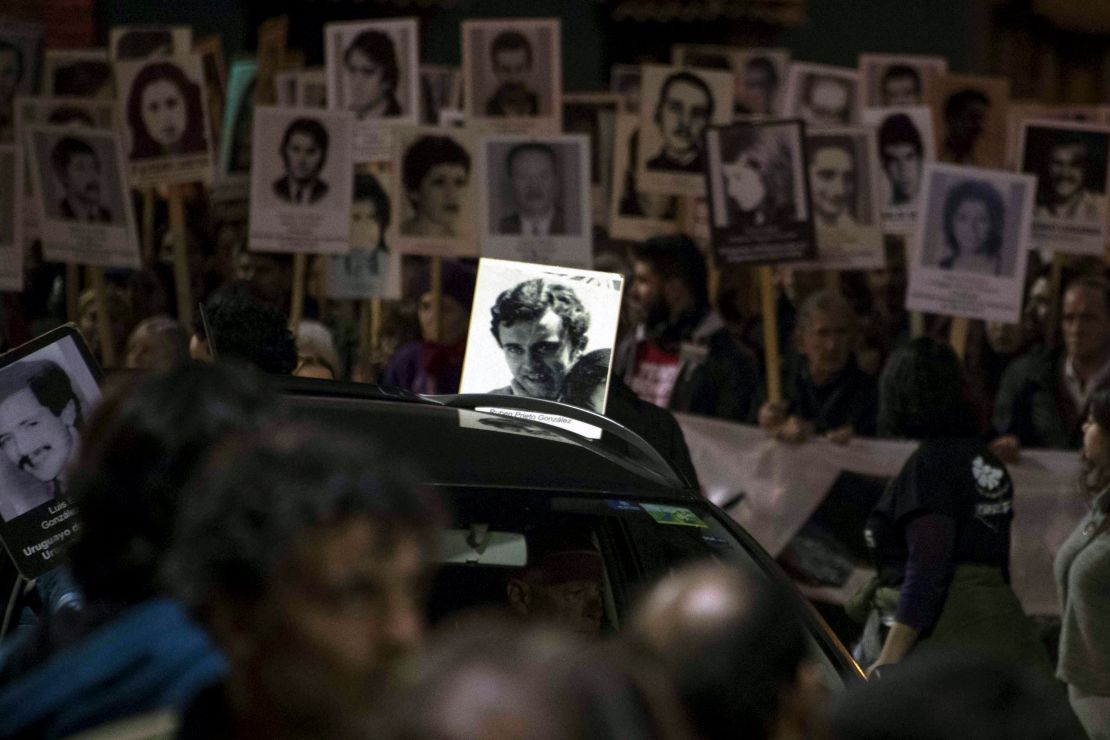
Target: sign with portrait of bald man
pixel 1070 161
pixel 47 389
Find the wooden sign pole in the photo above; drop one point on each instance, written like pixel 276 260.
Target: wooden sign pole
pixel 364 322
pixel 437 292
pixel 1055 288
pixel 771 359
pixel 181 280
pixel 296 305
pixel 150 249
pixel 917 324
pixel 103 322
pixel 375 323
pixel 957 335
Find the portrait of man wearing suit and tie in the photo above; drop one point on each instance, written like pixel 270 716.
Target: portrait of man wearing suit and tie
pixel 533 170
pixel 78 169
pixel 304 150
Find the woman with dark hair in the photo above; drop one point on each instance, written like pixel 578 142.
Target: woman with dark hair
pixel 940 533
pixel 435 171
pixel 974 219
pixel 165 113
pixel 372 75
pixel 1082 574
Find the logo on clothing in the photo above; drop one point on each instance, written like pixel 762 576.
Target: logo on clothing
pixel 988 478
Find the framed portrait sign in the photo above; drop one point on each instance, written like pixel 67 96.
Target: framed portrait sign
pixel 1071 162
pixel 78 73
pixel 579 330
pixel 905 145
pixel 678 105
pixel 48 388
pixel 373 71
pixel 84 205
pixel 898 80
pixel 968 256
pixel 634 214
pixel 436 191
pixel 372 269
pixel 163 114
pixel 301 180
pixel 969 116
pixel 843 173
pixel 822 95
pixel 535 206
pixel 759 201
pixel 512 75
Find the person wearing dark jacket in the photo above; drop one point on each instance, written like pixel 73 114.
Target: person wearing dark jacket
pixel 681 356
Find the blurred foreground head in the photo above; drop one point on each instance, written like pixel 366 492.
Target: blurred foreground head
pixel 136 452
pixel 306 552
pixel 492 678
pixel 733 648
pixel 951 696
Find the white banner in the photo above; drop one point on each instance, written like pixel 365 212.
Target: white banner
pixel 784 484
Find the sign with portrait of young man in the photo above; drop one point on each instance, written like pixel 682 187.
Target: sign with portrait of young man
pixel 1072 164
pixel 822 95
pixel 843 173
pixel 512 74
pixel 759 200
pixel 47 390
pixel 373 71
pixel 759 75
pixel 898 80
pixel 84 205
pixel 542 332
pixel 163 112
pixel 905 144
pixel 535 203
pixel 968 256
pixel 78 73
pixel 301 180
pixel 678 105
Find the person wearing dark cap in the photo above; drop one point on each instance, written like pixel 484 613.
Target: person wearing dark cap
pixel 39 418
pixel 562 582
pixel 434 363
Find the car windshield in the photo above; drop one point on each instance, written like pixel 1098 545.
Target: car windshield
pixel 588 558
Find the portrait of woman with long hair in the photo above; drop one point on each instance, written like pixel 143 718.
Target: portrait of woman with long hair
pixel 974 220
pixel 165 113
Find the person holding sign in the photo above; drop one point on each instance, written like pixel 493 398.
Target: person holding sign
pixel 830 395
pixel 165 113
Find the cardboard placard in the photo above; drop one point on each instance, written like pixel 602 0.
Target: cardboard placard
pixel 898 80
pixel 969 116
pixel 906 143
pixel 634 214
pixel 372 269
pixel 822 95
pixel 435 194
pixel 759 74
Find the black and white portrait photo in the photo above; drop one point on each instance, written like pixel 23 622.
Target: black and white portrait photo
pixel 372 269
pixel 633 213
pixel 78 73
pixel 84 206
pixel 970 245
pixel 145 42
pixel 822 95
pixel 759 75
pixel 542 332
pixel 536 205
pixel 47 390
pixel 512 75
pixel 436 191
pixel 301 180
pixel 888 81
pixel 372 69
pixel 625 81
pixel 164 111
pixel 970 119
pixel 595 116
pixel 758 199
pixel 20 60
pixel 678 105
pixel 905 144
pixel 844 178
pixel 1070 163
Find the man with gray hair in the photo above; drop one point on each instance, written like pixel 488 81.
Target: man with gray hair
pixel 829 394
pixel 39 418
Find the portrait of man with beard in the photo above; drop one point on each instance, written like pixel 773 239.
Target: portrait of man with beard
pixel 78 169
pixel 684 110
pixel 511 56
pixel 1068 177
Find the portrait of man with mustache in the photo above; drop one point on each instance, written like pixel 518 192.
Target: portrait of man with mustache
pixel 682 114
pixel 1064 190
pixel 78 169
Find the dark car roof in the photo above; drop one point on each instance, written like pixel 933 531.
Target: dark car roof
pixel 452 445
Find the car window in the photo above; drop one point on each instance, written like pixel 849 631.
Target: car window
pixel 638 542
